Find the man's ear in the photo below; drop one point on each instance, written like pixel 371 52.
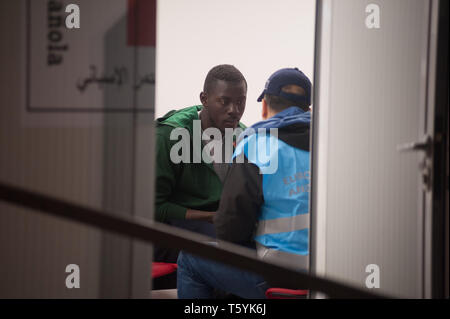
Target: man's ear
pixel 265 111
pixel 204 99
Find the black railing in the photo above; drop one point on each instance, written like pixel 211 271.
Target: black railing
pixel 170 237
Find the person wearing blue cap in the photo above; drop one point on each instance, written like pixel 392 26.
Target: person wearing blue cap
pixel 267 210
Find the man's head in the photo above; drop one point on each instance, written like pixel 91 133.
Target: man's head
pixel 223 97
pixel 285 88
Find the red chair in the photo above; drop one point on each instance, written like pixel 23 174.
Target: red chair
pixel 162 269
pixel 164 275
pixel 281 293
pixel 164 282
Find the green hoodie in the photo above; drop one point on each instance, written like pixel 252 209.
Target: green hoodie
pixel 182 186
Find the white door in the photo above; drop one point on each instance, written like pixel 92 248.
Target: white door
pixel 370 204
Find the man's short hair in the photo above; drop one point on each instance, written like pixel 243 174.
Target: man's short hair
pixel 278 103
pixel 224 72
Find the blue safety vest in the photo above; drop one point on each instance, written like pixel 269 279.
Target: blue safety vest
pixel 283 225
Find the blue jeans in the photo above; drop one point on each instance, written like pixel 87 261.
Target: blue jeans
pixel 197 278
pixel 170 255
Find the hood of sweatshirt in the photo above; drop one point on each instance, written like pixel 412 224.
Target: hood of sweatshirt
pixel 184 118
pixel 292 120
pixel 290 116
pixel 181 118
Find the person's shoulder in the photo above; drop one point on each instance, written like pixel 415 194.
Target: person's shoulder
pixel 163 134
pixel 178 118
pixel 163 129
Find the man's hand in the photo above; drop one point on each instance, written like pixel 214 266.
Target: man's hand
pixel 193 214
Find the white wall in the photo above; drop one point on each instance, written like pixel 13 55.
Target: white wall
pixel 104 162
pixel 258 37
pixel 62 162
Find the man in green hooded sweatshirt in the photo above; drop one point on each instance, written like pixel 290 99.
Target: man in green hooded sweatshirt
pixel 188 178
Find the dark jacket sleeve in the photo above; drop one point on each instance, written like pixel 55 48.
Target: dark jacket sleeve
pixel 240 204
pixel 166 177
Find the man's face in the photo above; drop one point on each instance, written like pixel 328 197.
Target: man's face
pixel 225 104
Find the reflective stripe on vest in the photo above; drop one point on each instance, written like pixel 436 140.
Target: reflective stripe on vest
pixel 283 224
pixel 299 261
pixel 280 225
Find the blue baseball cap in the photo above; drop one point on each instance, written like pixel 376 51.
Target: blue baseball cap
pixel 285 77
